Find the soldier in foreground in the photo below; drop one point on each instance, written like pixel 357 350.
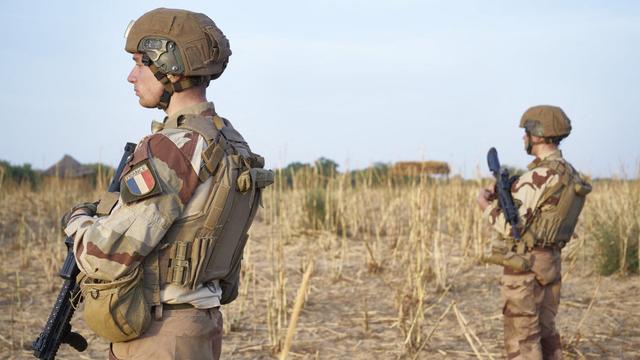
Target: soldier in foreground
pixel 549 198
pixel 158 259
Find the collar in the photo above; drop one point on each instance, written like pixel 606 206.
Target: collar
pixel 203 108
pixel 554 155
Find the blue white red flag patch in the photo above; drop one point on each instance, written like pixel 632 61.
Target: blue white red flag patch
pixel 140 180
pixel 139 183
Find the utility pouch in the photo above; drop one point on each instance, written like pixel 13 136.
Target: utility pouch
pixel 516 262
pixel 582 188
pixel 510 260
pixel 116 310
pixel 261 177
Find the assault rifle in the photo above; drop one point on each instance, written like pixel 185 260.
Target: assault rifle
pixel 503 190
pixel 58 328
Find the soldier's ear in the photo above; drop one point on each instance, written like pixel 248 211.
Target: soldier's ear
pixel 537 140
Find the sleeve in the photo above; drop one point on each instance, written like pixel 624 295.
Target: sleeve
pixel 527 192
pixel 157 184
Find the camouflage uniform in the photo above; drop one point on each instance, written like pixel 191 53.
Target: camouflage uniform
pixel 109 247
pixel 531 299
pixel 134 259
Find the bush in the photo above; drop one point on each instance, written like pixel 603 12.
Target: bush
pixel 315 207
pixel 20 174
pixel 101 174
pixel 610 246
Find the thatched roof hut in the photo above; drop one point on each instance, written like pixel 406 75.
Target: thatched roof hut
pixel 68 167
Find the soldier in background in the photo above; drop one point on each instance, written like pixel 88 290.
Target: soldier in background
pixel 158 235
pixel 549 198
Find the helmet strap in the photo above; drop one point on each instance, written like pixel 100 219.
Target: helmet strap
pixel 170 88
pixel 165 98
pixel 531 144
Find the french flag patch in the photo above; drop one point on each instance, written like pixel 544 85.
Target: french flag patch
pixel 140 181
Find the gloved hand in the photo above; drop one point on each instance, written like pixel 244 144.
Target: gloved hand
pixel 78 210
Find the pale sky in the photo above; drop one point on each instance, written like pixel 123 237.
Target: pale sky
pixel 355 81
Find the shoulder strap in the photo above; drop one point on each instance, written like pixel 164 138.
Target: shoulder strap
pixel 212 130
pixel 204 125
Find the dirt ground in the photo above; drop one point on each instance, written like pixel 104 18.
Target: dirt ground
pixel 356 316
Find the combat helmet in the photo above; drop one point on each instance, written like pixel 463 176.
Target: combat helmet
pixel 546 121
pixel 179 42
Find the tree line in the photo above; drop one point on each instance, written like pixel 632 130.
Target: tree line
pixel 25 174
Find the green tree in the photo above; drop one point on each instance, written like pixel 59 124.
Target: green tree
pixel 20 173
pixel 326 167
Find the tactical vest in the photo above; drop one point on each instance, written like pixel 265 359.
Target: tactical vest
pixel 562 203
pixel 208 245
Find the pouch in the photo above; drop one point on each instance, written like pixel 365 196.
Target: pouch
pixel 116 310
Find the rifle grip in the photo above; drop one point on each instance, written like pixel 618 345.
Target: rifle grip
pixel 76 341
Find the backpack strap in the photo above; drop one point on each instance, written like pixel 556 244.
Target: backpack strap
pixel 207 126
pixel 213 132
pixel 565 175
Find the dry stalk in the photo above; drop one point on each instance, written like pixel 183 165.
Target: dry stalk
pixel 439 259
pixel 576 338
pixel 297 307
pixel 472 333
pixel 366 317
pixel 373 265
pixel 433 330
pixel 469 334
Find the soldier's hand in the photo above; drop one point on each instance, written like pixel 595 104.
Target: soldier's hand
pixel 493 192
pixel 485 196
pixel 88 209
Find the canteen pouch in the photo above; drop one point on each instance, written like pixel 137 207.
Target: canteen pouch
pixel 116 310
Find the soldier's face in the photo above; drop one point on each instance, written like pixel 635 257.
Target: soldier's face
pixel 145 85
pixel 530 141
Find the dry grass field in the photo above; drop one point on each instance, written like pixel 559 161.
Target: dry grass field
pixel 393 272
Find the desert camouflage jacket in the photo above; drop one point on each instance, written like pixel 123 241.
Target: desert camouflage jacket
pixel 157 184
pixel 527 194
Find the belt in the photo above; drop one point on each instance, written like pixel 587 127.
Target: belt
pixel 550 248
pixel 156 311
pixel 177 306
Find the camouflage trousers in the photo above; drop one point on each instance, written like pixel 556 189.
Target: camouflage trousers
pixel 530 304
pixel 181 334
